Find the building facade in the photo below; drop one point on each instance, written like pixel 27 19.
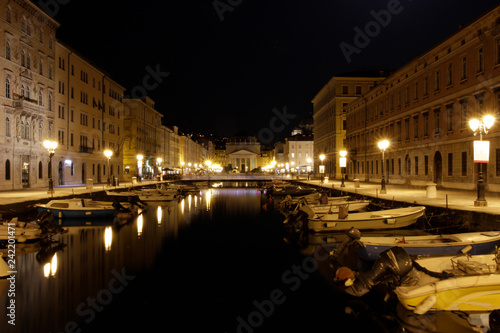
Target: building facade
pixel 330 117
pixel 299 153
pixel 88 119
pixel 27 98
pixel 143 155
pixel 423 109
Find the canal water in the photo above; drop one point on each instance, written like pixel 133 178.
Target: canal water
pixel 213 262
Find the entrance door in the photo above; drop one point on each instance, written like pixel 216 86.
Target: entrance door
pixel 84 177
pixel 60 174
pixel 25 173
pixel 438 168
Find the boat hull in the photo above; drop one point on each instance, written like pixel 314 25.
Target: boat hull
pixel 388 219
pixel 431 245
pixel 475 288
pixel 79 214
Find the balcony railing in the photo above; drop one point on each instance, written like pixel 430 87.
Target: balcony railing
pixel 85 149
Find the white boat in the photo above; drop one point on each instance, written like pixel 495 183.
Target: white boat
pixel 333 207
pixel 78 208
pixel 452 244
pixel 473 285
pixel 384 219
pixel 21 231
pixel 148 195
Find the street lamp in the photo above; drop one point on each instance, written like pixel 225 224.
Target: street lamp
pixel 481 153
pixel 158 161
pixel 343 164
pixel 51 148
pixel 322 167
pixel 139 166
pixel 383 146
pixel 108 153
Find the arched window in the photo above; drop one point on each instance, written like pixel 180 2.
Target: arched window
pixel 23 24
pixel 7 87
pixel 22 90
pixel 40 97
pixel 8 15
pixel 7 50
pixel 7 126
pixel 7 170
pixel 40 170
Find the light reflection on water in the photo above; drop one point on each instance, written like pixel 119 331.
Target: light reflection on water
pixel 56 285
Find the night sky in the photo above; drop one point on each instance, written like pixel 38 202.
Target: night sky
pixel 229 67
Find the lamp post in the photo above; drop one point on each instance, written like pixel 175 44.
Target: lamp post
pixel 108 153
pixel 322 167
pixel 51 148
pixel 139 166
pixel 158 161
pixel 343 164
pixel 481 153
pixel 383 146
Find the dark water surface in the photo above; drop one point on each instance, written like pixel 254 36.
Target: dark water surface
pixel 215 262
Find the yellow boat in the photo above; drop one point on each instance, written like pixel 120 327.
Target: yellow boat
pixel 473 285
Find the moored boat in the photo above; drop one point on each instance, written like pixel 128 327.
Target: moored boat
pixel 20 231
pixel 473 284
pixel 78 208
pixel 431 245
pixel 384 219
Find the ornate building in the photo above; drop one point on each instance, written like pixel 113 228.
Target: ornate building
pixel 27 97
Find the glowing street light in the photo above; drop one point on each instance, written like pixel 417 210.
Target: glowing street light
pixel 51 148
pixel 481 153
pixel 343 164
pixel 383 146
pixel 139 166
pixel 108 153
pixel 322 167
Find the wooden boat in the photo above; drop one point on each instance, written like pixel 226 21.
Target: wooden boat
pixel 431 245
pixel 290 190
pixel 384 219
pixel 78 208
pixel 333 207
pixel 148 195
pixel 473 285
pixel 21 231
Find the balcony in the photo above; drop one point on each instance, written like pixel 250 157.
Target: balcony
pixel 85 149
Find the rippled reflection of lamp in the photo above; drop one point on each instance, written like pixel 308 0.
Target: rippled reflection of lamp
pixel 108 238
pixel 50 268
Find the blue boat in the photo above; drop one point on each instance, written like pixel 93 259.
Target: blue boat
pixel 78 208
pixel 472 243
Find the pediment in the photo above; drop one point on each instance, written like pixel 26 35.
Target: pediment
pixel 242 152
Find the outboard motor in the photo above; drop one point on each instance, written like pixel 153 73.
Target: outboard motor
pixel 353 235
pixel 392 265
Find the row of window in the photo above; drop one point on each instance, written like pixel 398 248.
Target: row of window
pixel 27 27
pixel 8 170
pixel 457 117
pixel 420 88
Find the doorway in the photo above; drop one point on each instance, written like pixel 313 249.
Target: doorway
pixel 84 176
pixel 60 174
pixel 25 160
pixel 438 168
